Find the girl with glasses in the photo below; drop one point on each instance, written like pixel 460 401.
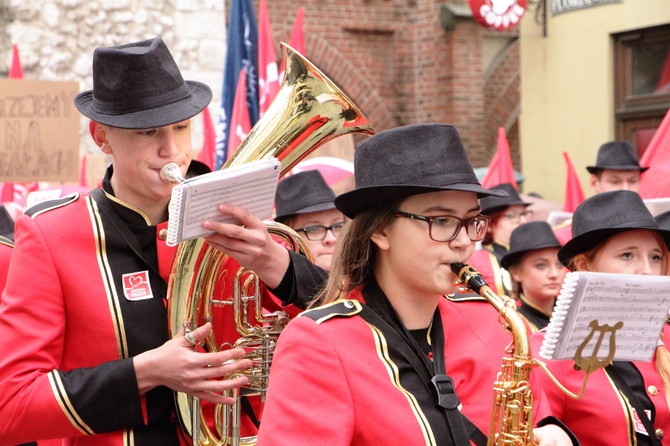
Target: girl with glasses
pixel 506 214
pixel 306 203
pixel 365 358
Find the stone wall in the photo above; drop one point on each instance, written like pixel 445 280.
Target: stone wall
pixel 56 40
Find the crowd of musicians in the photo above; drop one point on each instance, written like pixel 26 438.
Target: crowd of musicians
pixel 384 346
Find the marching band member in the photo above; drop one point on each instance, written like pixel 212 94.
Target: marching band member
pixel 537 275
pixel 365 358
pixel 83 321
pixel 613 232
pixel 505 214
pixel 306 203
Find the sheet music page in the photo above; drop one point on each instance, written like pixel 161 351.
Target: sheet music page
pixel 251 186
pixel 640 302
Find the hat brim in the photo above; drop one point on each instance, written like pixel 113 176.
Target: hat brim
pixel 596 169
pixel 357 200
pixel 512 258
pixel 314 208
pixel 588 240
pixel 487 211
pixel 181 110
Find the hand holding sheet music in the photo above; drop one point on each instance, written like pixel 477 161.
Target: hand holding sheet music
pixel 640 302
pixel 251 186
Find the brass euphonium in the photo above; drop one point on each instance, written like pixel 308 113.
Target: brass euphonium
pixel 512 416
pixel 308 111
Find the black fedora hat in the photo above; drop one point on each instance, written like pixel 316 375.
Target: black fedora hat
pixel 139 86
pixel 301 193
pixel 604 215
pixel 409 160
pixel 663 220
pixel 494 203
pixel 529 237
pixel 616 155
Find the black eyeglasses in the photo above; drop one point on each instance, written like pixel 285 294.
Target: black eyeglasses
pixel 516 216
pixel 317 232
pixel 444 228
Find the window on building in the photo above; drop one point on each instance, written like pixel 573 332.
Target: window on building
pixel 642 83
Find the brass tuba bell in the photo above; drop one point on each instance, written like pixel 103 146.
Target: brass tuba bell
pixel 308 111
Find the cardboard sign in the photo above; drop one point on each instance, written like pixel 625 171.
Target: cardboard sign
pixel 39 131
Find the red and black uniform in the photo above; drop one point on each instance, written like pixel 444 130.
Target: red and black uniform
pixel 536 318
pixel 487 261
pixel 357 387
pixel 603 416
pixel 6 247
pixel 86 292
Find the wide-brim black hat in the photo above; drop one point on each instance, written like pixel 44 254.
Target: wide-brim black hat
pixel 409 160
pixel 529 237
pixel 495 203
pixel 604 215
pixel 616 155
pixel 663 220
pixel 302 193
pixel 139 86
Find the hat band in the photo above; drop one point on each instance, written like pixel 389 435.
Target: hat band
pixel 139 104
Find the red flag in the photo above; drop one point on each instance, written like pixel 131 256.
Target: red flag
pixel 574 194
pixel 654 182
pixel 207 154
pixel 15 70
pixel 297 41
pixel 500 168
pixel 7 193
pixel 240 122
pixel 82 172
pixel 268 75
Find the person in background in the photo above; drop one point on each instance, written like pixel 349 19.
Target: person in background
pixel 506 214
pixel 87 355
pixel 614 232
pixel 306 203
pixel 364 358
pixel 617 168
pixel 537 274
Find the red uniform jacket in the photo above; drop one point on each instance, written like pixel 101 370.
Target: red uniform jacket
pixel 78 305
pixel 6 246
pixel 603 416
pixel 334 379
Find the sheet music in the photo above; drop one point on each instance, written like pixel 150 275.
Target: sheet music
pixel 640 302
pixel 251 186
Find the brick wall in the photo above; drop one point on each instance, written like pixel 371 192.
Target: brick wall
pixel 397 63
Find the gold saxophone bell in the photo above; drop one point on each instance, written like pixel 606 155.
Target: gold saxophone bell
pixel 308 111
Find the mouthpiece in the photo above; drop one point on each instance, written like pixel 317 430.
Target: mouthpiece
pixel 171 173
pixel 469 276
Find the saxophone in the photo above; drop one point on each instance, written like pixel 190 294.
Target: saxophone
pixel 512 416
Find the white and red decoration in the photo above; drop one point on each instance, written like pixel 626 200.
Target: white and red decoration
pixel 498 14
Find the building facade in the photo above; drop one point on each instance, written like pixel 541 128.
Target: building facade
pixel 592 71
pixel 400 61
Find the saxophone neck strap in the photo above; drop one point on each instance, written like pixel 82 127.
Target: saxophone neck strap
pixel 623 386
pixel 432 375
